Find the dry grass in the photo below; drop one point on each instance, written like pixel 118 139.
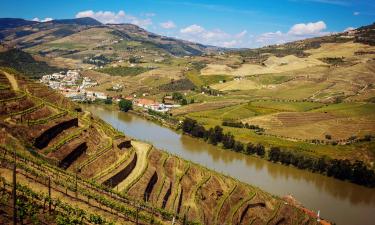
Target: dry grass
pixel 346 50
pixel 236 85
pixel 271 65
pixel 141 150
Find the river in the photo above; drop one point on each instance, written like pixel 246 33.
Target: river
pixel 341 202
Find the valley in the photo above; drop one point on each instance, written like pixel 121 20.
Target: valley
pixel 283 134
pixel 71 148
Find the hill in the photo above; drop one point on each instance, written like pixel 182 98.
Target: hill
pixel 25 63
pixel 116 39
pixel 7 23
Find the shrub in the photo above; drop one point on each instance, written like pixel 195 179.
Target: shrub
pixel 125 105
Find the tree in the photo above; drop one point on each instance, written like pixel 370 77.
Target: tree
pixel 238 146
pixel 188 124
pixel 133 59
pixel 198 131
pixel 260 150
pixel 228 141
pixel 250 148
pixel 184 101
pixel 328 137
pixel 274 154
pixel 177 96
pixel 125 105
pixel 108 101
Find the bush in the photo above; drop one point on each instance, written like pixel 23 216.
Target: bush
pixel 108 101
pixel 328 137
pixel 260 150
pixel 238 146
pixel 125 105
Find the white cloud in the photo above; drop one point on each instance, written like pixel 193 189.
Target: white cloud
pixel 192 29
pixel 356 13
pixel 168 25
pixel 307 29
pixel 47 19
pixel 230 44
pixel 150 14
pixel 113 17
pixel 296 32
pixel 217 37
pixel 241 34
pixel 36 19
pixel 349 29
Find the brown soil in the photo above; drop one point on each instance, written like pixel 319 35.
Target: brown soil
pixel 295 119
pixel 39 114
pixel 238 194
pixel 193 177
pixel 12 107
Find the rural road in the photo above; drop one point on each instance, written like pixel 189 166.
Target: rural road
pixel 12 80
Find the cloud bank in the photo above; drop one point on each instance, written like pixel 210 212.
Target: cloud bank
pixel 296 32
pixel 217 37
pixel 114 17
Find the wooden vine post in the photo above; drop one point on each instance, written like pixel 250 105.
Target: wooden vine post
pixel 14 191
pixel 49 194
pixel 137 211
pixel 76 189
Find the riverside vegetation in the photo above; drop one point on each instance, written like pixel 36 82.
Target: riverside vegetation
pixel 356 172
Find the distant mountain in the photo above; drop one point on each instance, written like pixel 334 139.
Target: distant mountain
pixel 71 36
pixel 85 21
pixel 8 23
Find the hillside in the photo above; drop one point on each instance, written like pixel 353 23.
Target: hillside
pixel 25 63
pixel 115 39
pixel 114 175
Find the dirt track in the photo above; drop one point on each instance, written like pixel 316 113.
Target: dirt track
pixel 12 81
pixel 141 150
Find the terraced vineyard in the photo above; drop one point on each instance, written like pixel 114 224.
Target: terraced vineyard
pixel 95 173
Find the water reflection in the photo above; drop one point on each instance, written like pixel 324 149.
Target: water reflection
pixel 340 201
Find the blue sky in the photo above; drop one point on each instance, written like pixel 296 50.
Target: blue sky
pixel 229 23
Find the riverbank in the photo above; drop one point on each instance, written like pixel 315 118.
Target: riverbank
pixel 342 202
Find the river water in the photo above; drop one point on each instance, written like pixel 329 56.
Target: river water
pixel 338 201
